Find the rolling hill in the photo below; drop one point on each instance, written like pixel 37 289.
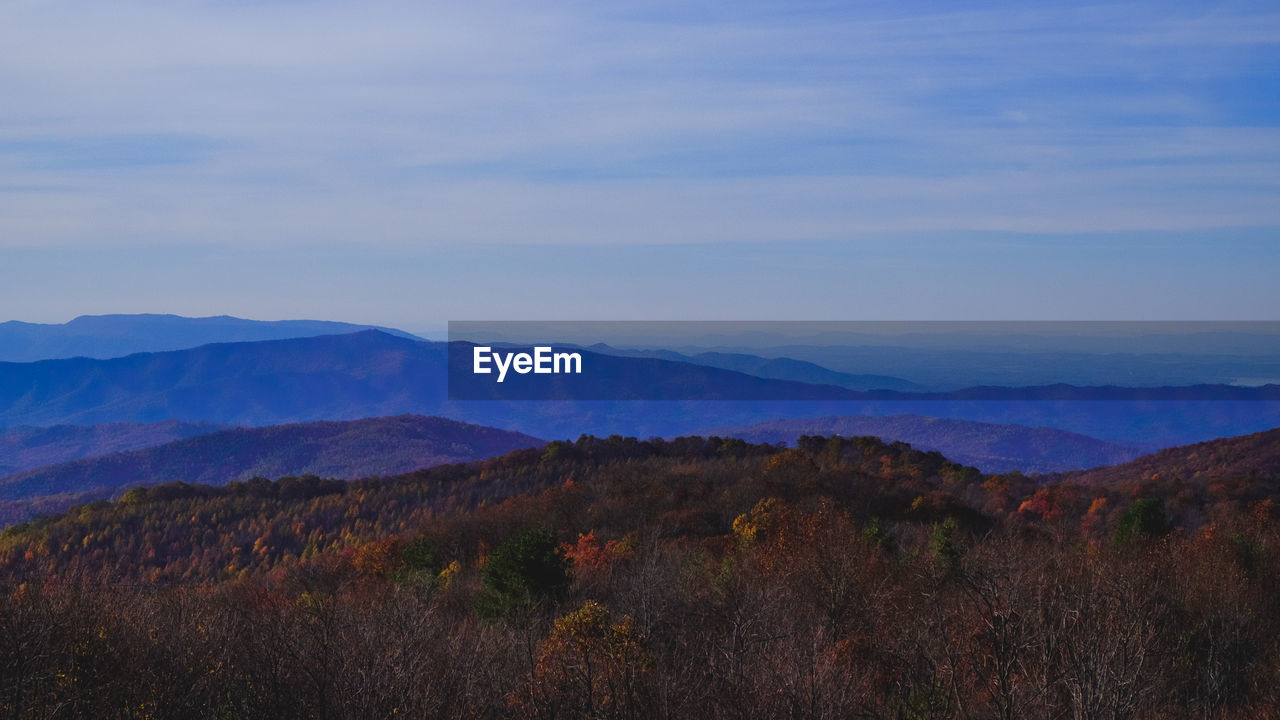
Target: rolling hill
pixel 1248 457
pixel 26 447
pixel 342 450
pixel 990 447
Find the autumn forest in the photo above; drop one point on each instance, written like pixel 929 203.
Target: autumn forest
pixel 693 578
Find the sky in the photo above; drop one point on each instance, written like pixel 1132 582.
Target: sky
pixel 411 162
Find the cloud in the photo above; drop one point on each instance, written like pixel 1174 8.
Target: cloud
pixel 403 123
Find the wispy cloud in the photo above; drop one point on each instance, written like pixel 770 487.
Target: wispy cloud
pixel 395 122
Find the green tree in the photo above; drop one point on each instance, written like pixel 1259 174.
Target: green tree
pixel 521 572
pixel 419 560
pixel 946 548
pixel 1145 518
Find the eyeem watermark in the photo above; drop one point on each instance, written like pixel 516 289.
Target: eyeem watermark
pixel 543 361
pixel 873 368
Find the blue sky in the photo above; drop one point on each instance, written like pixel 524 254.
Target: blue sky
pixel 409 162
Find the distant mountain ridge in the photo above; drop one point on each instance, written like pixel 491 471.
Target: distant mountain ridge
pixel 990 447
pixel 110 336
pixel 1080 362
pixel 364 374
pixel 26 447
pixel 374 374
pixel 344 450
pixel 780 368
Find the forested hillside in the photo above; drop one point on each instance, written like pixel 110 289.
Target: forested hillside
pixel 26 447
pixel 616 578
pixel 993 447
pixel 344 450
pixel 1248 457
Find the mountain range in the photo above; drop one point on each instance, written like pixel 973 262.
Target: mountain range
pixel 174 529
pixel 373 374
pixel 369 373
pixel 108 336
pixel 58 466
pixel 686 572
